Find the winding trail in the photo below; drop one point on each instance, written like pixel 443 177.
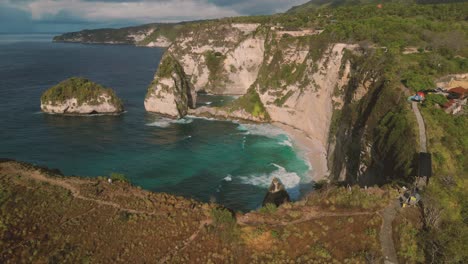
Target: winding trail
pixel 308 215
pixel 186 243
pixel 386 233
pixel 38 176
pixel 422 128
pixel 389 213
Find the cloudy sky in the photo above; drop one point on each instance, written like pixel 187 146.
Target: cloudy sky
pixel 71 15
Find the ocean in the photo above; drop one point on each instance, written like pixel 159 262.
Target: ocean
pixel 222 161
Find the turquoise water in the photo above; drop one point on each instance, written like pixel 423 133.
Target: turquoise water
pixel 209 160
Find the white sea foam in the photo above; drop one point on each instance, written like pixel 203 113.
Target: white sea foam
pixel 228 178
pixel 162 122
pixel 202 117
pixel 183 121
pixel 290 180
pixel 286 142
pixel 208 103
pixel 266 130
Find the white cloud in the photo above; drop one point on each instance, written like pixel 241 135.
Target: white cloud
pixel 142 11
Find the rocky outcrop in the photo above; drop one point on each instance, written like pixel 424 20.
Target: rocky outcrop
pixel 329 91
pixel 79 96
pixel 171 92
pixel 282 79
pixel 276 194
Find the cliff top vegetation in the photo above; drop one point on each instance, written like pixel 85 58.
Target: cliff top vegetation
pixel 45 217
pixel 83 90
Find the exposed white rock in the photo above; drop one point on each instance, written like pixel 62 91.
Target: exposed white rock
pixel 170 93
pixel 161 41
pixel 242 65
pixel 71 107
pixel 307 103
pixel 246 28
pixel 162 101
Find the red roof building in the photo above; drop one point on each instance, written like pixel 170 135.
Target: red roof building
pixel 459 91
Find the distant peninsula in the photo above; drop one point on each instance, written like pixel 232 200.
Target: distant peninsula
pixel 80 96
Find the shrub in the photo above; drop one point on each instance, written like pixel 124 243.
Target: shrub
pixel 166 67
pixel 251 103
pixel 320 251
pixel 118 177
pixel 409 248
pixel 222 217
pixel 268 209
pixel 433 99
pixel 214 62
pixel 356 198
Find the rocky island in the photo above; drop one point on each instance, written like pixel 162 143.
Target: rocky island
pixel 80 96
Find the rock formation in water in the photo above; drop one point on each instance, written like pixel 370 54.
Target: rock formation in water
pixel 171 92
pixel 79 96
pixel 276 194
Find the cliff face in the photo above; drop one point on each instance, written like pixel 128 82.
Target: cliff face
pixel 72 107
pixel 221 58
pixel 330 91
pixel 170 93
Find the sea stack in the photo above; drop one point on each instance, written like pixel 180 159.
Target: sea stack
pixel 80 96
pixel 171 92
pixel 276 194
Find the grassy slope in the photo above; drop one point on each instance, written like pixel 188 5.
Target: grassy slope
pixel 94 222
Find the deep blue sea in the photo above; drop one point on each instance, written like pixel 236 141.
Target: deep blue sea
pixel 209 160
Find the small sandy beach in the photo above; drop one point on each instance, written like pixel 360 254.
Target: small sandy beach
pixel 311 149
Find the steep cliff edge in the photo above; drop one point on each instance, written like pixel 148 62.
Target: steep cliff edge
pixel 341 96
pixel 221 58
pixel 282 78
pixel 170 93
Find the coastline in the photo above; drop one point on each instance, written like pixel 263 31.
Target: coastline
pixel 311 149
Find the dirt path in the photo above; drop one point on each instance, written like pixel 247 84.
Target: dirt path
pixel 422 128
pixel 36 175
pixel 307 216
pixel 386 233
pixel 187 242
pixel 64 183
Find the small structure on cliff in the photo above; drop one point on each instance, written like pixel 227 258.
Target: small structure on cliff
pixel 80 96
pixel 276 194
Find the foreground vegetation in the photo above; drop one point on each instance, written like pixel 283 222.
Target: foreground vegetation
pixel 46 217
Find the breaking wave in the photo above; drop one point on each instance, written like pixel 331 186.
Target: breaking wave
pixel 266 130
pixel 166 122
pixel 290 180
pixel 183 121
pixel 286 142
pixel 228 178
pixel 163 123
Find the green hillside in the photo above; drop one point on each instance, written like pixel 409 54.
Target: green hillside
pixel 318 4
